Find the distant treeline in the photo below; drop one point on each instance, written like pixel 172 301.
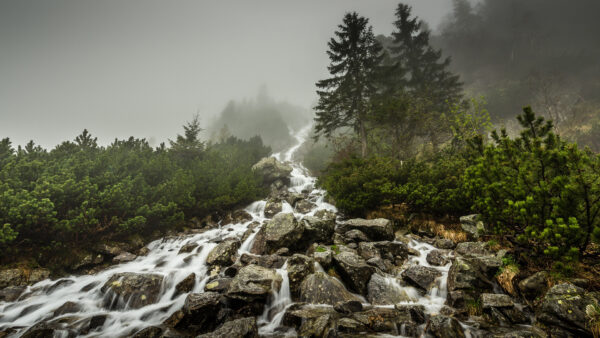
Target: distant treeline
pixel 80 192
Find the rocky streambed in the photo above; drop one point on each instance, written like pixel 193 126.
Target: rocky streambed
pixel 292 266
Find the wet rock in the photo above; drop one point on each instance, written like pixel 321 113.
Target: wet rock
pixel 349 306
pixel 381 264
pixel 238 328
pixel 304 206
pixel 472 225
pixel 379 229
pixel 271 170
pixel 298 267
pixel 188 248
pixel 441 326
pixel 200 313
pixel 292 198
pixel 11 293
pixel 318 229
pixel 437 258
pixel 311 321
pixel 383 291
pixel 272 208
pixel 218 285
pixel 124 257
pixel 223 254
pixel 186 285
pixel 282 231
pixel 368 250
pixel 282 252
pixel 135 290
pixel 421 276
pixel 443 243
pixel 534 285
pixel 563 310
pixel 149 332
pixel 250 231
pixel 45 330
pixel 391 320
pixel 240 216
pixel 489 300
pixel 68 307
pixel 324 256
pixel 466 282
pixel 355 272
pixel 356 236
pixel 320 288
pixel 253 282
pixel 350 326
pixel 266 261
pixel 143 251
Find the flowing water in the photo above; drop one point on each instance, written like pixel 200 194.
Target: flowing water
pixel 39 301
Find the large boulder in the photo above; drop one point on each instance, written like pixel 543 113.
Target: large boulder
pixel 563 310
pixel 379 229
pixel 238 328
pixel 472 225
pixel 132 290
pixel 437 258
pixel 253 282
pixel 496 300
pixel 311 321
pixel 441 326
pixel 186 285
pixel 282 231
pixel 534 285
pixel 201 312
pixel 318 229
pixel 320 288
pixel 298 267
pixel 391 320
pixel 223 254
pixel 11 293
pixel 304 206
pixel 272 170
pixel 273 207
pixel 466 282
pixel 383 290
pixel 354 270
pixel 421 276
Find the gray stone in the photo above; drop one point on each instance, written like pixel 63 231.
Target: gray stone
pixel 271 170
pixel 223 254
pixel 382 291
pixel 421 276
pixel 124 257
pixel 497 300
pixel 186 285
pixel 238 328
pixel 132 289
pixel 379 229
pixel 272 208
pixel 320 288
pixel 534 285
pixel 354 271
pixel 441 326
pixel 437 258
pixel 253 282
pixel 282 231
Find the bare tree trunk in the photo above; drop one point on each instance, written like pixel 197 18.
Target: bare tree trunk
pixel 363 139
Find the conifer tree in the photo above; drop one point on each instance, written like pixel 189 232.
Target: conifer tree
pixel 344 98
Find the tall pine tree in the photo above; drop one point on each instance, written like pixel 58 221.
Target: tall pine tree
pixel 344 99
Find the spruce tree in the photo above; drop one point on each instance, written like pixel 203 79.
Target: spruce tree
pixel 344 98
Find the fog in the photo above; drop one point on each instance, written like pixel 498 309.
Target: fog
pixel 143 68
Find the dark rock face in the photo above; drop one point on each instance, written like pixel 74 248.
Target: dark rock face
pixel 68 307
pixel 299 267
pixel 472 249
pixel 379 229
pixel 223 254
pixel 355 236
pixel 421 276
pixel 282 231
pixel 466 282
pixel 218 285
pixel 355 272
pixel 201 313
pixel 472 225
pixel 490 300
pixel 124 257
pixel 242 328
pixel 563 310
pixel 266 261
pixel 320 288
pixel 188 248
pixel 350 306
pixel 443 243
pixel 253 282
pixel 186 285
pixel 132 290
pixel 534 285
pixel 11 293
pixel 441 326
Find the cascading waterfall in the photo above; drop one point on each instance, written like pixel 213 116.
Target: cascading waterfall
pixel 39 301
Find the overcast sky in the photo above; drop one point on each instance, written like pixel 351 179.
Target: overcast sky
pixel 144 67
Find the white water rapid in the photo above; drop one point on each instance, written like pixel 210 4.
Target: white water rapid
pixel 39 302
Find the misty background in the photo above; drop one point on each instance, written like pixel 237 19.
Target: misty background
pixel 143 68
